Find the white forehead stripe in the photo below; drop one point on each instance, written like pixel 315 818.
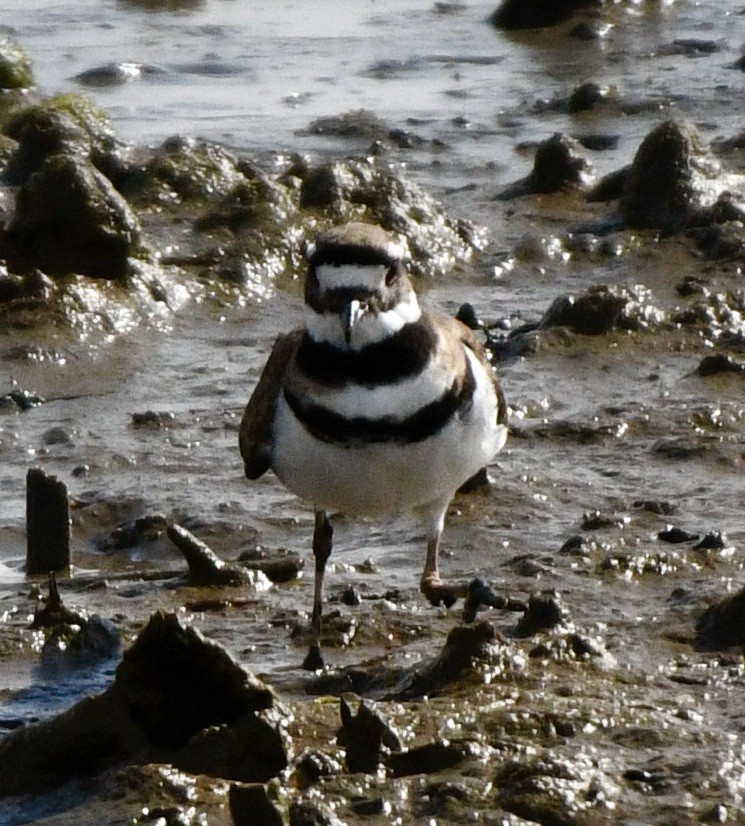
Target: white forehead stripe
pixel 364 276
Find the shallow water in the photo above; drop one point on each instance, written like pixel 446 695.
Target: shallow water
pixel 589 414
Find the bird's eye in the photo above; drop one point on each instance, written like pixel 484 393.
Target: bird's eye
pixel 391 275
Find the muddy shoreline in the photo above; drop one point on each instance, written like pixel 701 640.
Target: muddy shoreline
pixel 614 307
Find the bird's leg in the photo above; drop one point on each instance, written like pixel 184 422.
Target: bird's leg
pixel 322 543
pixel 430 584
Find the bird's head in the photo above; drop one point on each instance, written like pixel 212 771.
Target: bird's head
pixel 357 289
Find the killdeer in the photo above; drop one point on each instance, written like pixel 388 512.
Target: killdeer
pixel 374 407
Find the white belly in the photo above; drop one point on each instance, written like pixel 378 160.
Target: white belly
pixel 383 479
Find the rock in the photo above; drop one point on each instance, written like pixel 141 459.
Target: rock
pixel 722 625
pixel 464 647
pixel 358 124
pixel 481 593
pixel 144 529
pixel 81 647
pixel 533 14
pixel 23 399
pixel 545 611
pixel 719 363
pixel 675 535
pixel 312 765
pixel 312 813
pixel 658 506
pixel 610 187
pixel 177 698
pixel 205 567
pixel 603 308
pixel 431 757
pixel 24 290
pixel 559 165
pixel 351 596
pixel 250 806
pixel 55 613
pixel 150 679
pixel 70 219
pixel 115 74
pixel 279 565
pixel 66 124
pixel 42 132
pixel 369 191
pixel 587 96
pixel 672 179
pixel 15 67
pixel 712 541
pixel 195 170
pixel 364 736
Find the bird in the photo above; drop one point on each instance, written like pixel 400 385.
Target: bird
pixel 373 407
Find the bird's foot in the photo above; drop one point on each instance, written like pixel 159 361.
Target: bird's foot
pixel 314 659
pixel 442 593
pixel 481 593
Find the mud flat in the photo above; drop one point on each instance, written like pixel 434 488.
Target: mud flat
pixel 159 681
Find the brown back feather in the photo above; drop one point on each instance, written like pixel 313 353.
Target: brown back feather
pixel 255 436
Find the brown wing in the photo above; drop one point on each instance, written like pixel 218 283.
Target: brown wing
pixel 255 436
pixel 464 334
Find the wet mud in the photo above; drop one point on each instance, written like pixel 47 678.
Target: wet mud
pixel 158 679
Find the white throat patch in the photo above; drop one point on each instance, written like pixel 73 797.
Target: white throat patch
pixel 370 328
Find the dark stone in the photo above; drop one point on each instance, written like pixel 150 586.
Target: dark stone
pixel 722 625
pixel 70 219
pixel 323 186
pixel 598 142
pixel 558 165
pixel 42 132
pixel 432 757
pixel 657 506
pixel 15 67
pixel 23 399
pixel 136 532
pixel 481 593
pixel 177 698
pixel 250 806
pixel 312 765
pixel 96 639
pixel 672 179
pixel 358 124
pixel 278 565
pixel 55 612
pixel 592 313
pixel 465 645
pixel 351 596
pixel 364 735
pixel 712 541
pixel 312 813
pixel 533 14
pixel 587 96
pixel 467 315
pixel 205 567
pixel 176 683
pixel 719 363
pixel 24 289
pixel 544 611
pixel 676 535
pixel 610 187
pixel 574 546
